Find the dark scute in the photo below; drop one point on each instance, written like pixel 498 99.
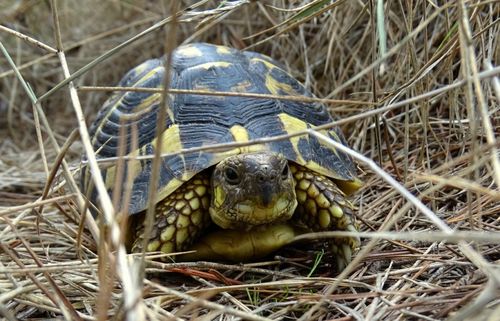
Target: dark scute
pixel 197 161
pixel 268 126
pixel 343 159
pixel 284 78
pixel 203 133
pixel 132 76
pixel 107 138
pixel 312 150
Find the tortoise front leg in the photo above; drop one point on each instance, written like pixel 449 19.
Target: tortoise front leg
pixel 180 218
pixel 322 206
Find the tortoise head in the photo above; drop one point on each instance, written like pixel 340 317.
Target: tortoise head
pixel 252 189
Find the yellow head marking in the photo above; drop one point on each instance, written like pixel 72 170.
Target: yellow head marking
pixel 219 196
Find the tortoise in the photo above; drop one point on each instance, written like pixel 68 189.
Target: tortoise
pixel 237 203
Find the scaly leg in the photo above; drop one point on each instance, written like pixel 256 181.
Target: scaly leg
pixel 322 206
pixel 180 218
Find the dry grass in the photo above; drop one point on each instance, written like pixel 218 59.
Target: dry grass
pixel 429 71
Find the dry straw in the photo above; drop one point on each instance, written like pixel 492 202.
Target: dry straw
pixel 413 84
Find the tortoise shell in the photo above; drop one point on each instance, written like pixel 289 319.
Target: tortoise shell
pixel 195 120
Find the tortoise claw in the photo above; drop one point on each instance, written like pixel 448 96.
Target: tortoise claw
pixel 343 255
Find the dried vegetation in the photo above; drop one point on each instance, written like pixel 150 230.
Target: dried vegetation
pixel 427 74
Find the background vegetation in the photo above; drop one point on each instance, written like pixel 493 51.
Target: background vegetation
pixel 428 68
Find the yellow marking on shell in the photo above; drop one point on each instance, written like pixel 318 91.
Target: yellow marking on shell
pixel 190 51
pixel 265 62
pixel 134 168
pixel 168 233
pixel 219 196
pixel 241 87
pixel 213 64
pixel 140 69
pixel 135 115
pixel 349 187
pixel 241 135
pixel 142 109
pixel 222 50
pixel 315 167
pixel 171 142
pixel 291 125
pixel 110 177
pixel 276 88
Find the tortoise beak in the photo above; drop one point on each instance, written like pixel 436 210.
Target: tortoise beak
pixel 268 195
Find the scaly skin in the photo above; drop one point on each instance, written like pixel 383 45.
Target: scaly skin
pixel 322 206
pixel 180 219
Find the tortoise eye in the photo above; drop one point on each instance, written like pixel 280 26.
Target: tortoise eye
pixel 284 173
pixel 231 176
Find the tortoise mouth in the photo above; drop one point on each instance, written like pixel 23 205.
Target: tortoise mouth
pixel 247 214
